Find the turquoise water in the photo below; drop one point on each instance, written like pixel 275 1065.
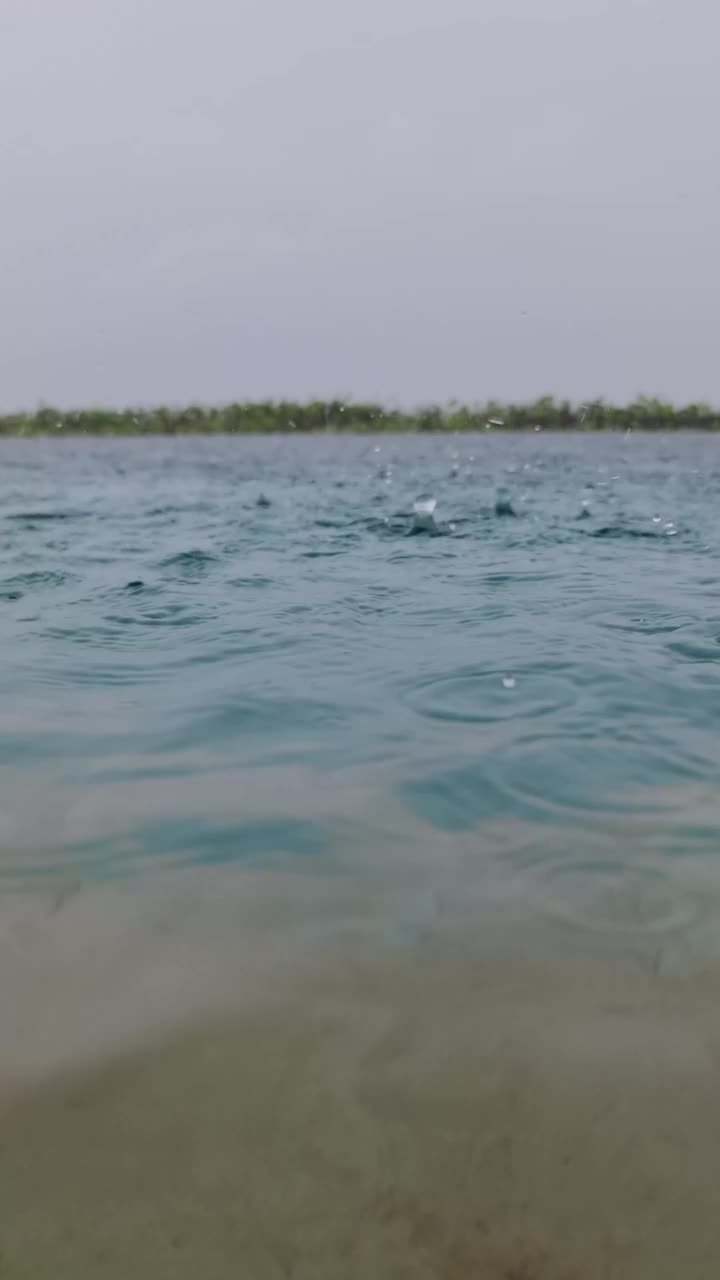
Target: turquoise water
pixel 276 653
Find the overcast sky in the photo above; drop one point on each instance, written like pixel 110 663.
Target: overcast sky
pixel 406 199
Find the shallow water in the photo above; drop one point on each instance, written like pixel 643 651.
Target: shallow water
pixel 274 728
pixel 230 650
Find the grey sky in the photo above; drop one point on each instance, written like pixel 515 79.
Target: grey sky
pixel 405 199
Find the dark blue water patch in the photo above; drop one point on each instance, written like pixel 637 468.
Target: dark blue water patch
pixel 41 517
pixel 323 553
pixel 629 532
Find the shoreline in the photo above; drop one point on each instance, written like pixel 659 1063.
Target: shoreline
pixel 340 417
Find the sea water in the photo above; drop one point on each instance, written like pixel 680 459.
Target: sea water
pixel 359 866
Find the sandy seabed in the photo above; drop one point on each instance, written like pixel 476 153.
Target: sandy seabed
pixel 204 1084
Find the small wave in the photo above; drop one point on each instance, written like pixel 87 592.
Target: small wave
pixel 37 517
pixel 190 564
pixel 37 578
pixel 699 649
pixel 629 531
pixel 256 580
pixel 173 614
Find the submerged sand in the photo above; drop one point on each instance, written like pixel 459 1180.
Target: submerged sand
pixel 221 1090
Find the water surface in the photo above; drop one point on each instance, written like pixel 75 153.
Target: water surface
pixel 230 650
pixel 362 795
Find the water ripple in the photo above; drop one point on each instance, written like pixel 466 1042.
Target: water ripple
pixel 485 696
pixel 437 614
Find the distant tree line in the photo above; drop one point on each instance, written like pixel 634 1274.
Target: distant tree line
pixel 267 417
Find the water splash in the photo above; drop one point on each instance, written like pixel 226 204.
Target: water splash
pixel 503 504
pixel 424 509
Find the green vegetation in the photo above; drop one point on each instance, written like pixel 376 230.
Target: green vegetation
pixel 267 417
